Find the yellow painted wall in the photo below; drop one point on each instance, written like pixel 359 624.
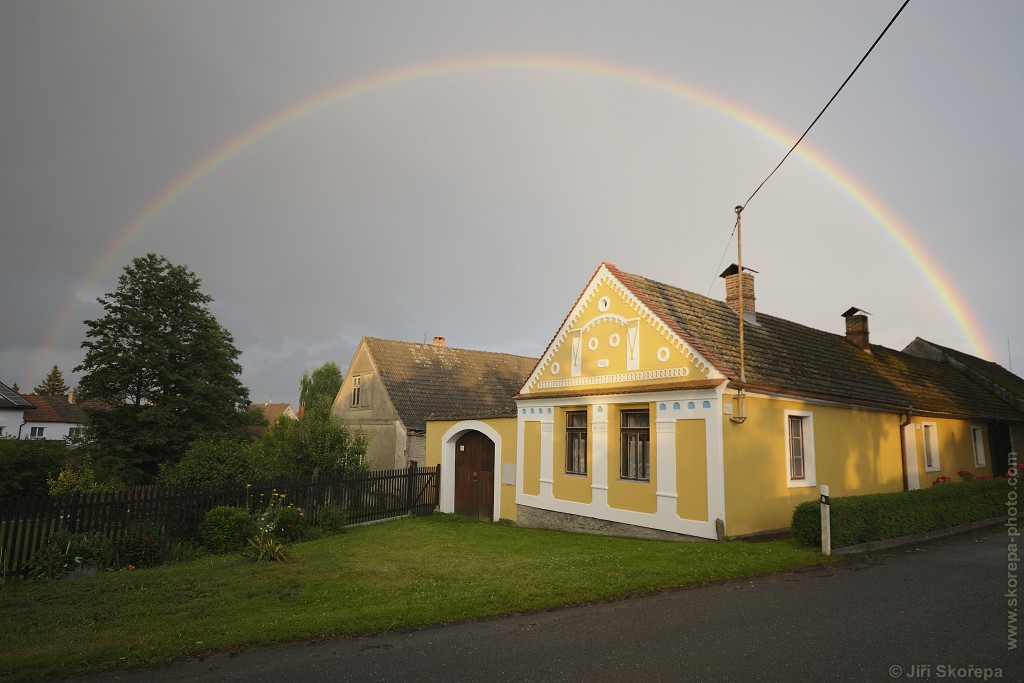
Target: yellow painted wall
pixel 606 359
pixel 956 449
pixel 506 429
pixel 573 487
pixel 856 452
pixel 639 496
pixel 531 458
pixel 691 470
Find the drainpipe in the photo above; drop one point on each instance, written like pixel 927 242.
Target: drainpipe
pixel 903 446
pixel 23 423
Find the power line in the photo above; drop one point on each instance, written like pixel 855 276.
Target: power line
pixel 891 21
pixel 879 38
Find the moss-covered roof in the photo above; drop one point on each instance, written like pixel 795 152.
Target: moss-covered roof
pixel 787 357
pixel 425 381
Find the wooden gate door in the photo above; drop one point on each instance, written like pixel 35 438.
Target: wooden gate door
pixel 474 476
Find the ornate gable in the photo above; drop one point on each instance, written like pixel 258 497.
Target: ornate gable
pixel 612 339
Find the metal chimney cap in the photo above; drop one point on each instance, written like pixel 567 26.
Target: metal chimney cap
pixel 733 269
pixel 853 310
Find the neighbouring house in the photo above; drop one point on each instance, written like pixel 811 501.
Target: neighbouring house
pixel 393 387
pixel 649 414
pixel 55 418
pixel 992 376
pixel 272 411
pixel 12 412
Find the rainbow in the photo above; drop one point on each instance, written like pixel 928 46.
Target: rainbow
pixel 294 114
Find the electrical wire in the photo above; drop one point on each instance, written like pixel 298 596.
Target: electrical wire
pixel 879 38
pixel 722 260
pixel 891 22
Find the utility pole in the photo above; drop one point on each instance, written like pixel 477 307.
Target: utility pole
pixel 739 263
pixel 741 393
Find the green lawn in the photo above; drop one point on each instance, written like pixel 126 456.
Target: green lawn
pixel 394 575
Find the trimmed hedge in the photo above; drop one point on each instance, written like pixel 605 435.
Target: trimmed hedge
pixel 227 528
pixel 880 516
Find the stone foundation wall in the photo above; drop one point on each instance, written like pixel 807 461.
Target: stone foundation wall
pixel 546 519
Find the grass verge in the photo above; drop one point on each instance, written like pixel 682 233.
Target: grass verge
pixel 401 574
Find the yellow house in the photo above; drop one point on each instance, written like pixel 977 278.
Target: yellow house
pixel 649 414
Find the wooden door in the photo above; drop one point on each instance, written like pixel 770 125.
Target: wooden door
pixel 474 476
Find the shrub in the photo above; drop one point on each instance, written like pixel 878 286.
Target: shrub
pixel 25 465
pixel 880 516
pixel 291 524
pixel 226 529
pixel 143 544
pixel 209 460
pixel 333 519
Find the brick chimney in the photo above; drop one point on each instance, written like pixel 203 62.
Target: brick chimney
pixel 732 289
pixel 439 341
pixel 857 327
pixel 72 396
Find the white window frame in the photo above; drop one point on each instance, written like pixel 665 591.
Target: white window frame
pixel 810 472
pixel 978 442
pixel 33 432
pixel 357 391
pixel 936 465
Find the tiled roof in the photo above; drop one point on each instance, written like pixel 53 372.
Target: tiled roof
pixel 272 411
pixel 58 409
pixel 425 381
pixel 995 377
pixel 787 357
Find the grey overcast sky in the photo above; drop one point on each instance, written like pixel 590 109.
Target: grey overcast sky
pixel 408 169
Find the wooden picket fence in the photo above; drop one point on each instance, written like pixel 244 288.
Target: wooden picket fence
pixel 27 522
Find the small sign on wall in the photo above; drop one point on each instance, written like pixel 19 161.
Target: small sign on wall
pixel 508 473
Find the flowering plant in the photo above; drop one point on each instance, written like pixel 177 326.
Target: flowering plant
pixel 263 545
pixel 942 480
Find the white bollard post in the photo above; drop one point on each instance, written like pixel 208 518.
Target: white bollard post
pixel 826 523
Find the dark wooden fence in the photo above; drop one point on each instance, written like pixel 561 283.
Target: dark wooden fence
pixel 26 523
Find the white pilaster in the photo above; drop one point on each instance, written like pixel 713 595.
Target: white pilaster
pixel 665 449
pixel 547 475
pixel 599 451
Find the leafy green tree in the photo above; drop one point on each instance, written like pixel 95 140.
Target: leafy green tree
pixel 53 385
pixel 324 383
pixel 254 417
pixel 210 460
pixel 329 446
pixel 319 444
pixel 27 464
pixel 78 476
pixel 163 365
pixel 15 388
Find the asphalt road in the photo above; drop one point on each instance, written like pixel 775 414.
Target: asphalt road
pixel 936 611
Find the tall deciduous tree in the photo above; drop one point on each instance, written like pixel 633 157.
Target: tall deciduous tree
pixel 53 385
pixel 165 367
pixel 323 384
